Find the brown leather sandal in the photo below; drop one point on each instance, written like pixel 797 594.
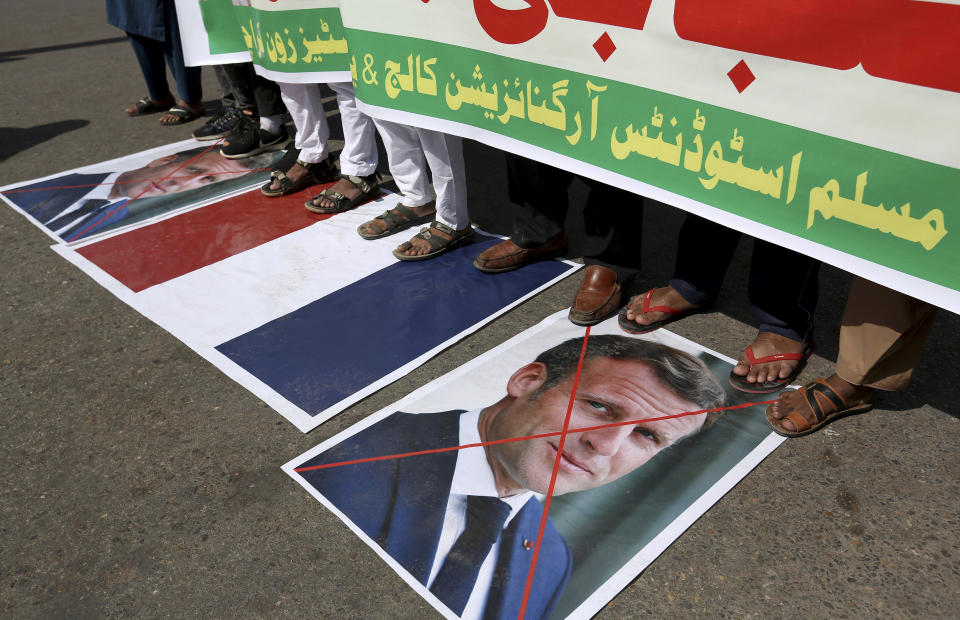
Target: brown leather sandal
pixel 368 186
pixel 320 172
pixel 396 219
pixel 438 245
pixel 825 404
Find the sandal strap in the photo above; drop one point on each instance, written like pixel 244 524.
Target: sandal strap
pixel 648 308
pixel 340 201
pixel 286 185
pixel 436 242
pixel 333 196
pixel 818 394
pixel 444 228
pixel 323 171
pixel 776 357
pixel 397 216
pixel 799 422
pixel 364 184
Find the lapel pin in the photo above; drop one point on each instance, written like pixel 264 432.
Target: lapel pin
pixel 527 544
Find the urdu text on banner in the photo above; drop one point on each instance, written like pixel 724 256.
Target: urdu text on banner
pixel 826 126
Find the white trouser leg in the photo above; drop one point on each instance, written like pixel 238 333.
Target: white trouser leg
pixel 444 154
pixel 406 161
pixel 304 103
pixel 359 155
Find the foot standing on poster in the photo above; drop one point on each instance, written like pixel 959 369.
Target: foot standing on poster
pixel 612 222
pixel 357 178
pixel 881 340
pixel 410 151
pixel 783 296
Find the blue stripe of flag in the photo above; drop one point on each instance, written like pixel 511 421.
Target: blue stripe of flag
pixel 329 349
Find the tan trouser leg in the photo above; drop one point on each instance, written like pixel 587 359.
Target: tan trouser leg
pixel 881 336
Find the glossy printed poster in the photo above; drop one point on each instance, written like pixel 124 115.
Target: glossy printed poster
pixel 411 479
pixel 826 126
pixel 106 197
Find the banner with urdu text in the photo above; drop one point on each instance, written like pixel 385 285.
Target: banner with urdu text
pixel 827 126
pixel 299 41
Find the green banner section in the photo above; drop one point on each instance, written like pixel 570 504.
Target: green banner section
pixel 299 41
pixel 887 208
pixel 220 22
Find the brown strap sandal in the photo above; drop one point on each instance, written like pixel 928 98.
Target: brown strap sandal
pixel 368 186
pixel 399 218
pixel 319 172
pixel 825 404
pixel 438 245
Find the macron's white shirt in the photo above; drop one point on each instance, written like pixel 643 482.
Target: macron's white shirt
pixel 472 476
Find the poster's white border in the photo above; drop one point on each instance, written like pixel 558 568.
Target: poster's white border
pixel 610 588
pixel 294 414
pixel 925 290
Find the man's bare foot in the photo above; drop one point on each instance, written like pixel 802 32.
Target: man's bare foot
pixel 665 296
pixel 795 402
pixel 296 173
pixel 149 106
pixel 378 226
pixel 767 344
pixel 169 118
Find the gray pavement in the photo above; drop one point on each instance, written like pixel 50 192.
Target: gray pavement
pixel 138 480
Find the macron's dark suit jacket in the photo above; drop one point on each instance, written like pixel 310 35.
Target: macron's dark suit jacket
pixel 401 504
pixel 47 200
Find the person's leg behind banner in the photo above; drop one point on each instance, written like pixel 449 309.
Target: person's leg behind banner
pixel 358 180
pixel 882 335
pixel 538 197
pixel 313 164
pixel 613 229
pixel 451 227
pixel 783 308
pixel 254 133
pixel 408 166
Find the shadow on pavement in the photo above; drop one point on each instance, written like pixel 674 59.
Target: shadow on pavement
pixel 16 139
pixel 19 54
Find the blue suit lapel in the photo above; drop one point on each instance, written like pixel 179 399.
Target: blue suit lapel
pixel 513 566
pixel 422 489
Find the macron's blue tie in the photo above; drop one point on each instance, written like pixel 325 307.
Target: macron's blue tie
pixel 458 574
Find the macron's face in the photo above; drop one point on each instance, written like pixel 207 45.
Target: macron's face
pixel 167 176
pixel 610 391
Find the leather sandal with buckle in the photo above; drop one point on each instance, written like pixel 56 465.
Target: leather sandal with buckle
pixel 396 219
pixel 368 186
pixel 320 172
pixel 438 245
pixel 823 402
